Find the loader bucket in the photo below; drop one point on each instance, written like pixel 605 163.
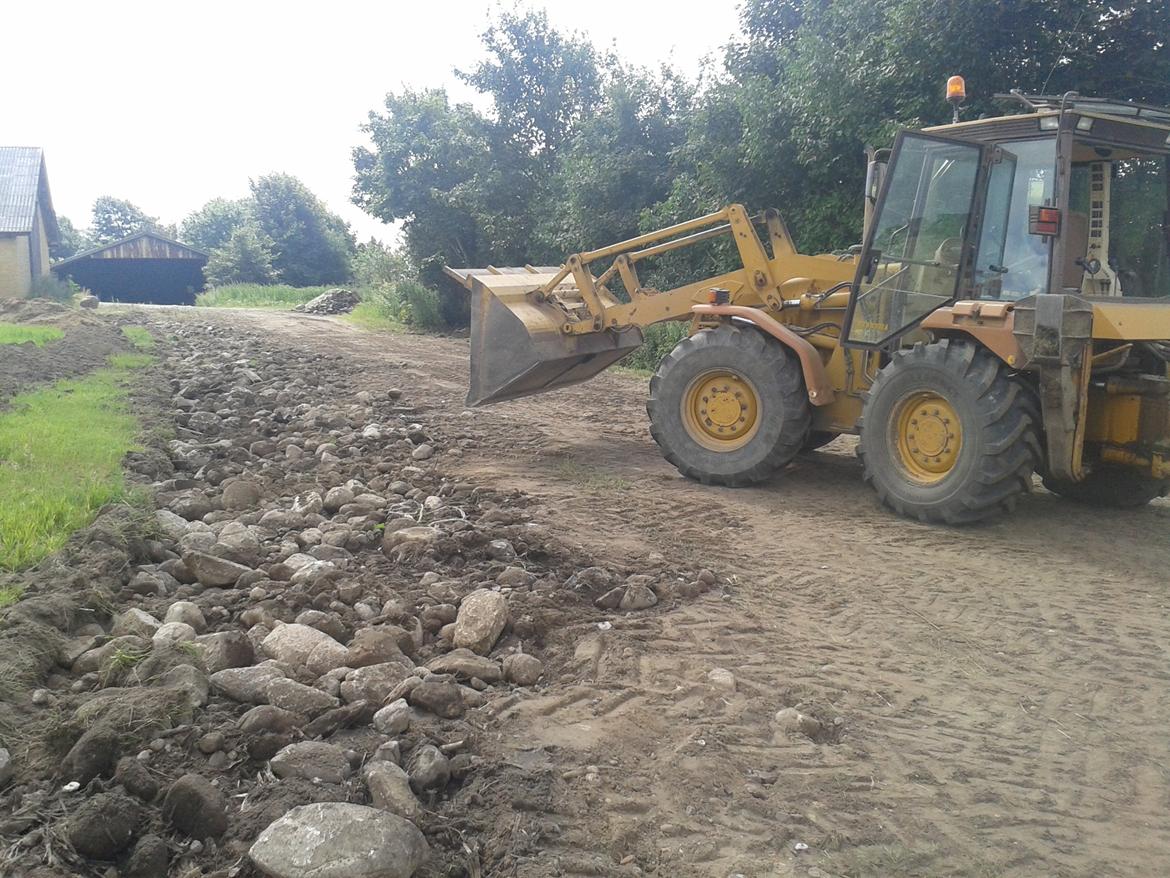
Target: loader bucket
pixel 518 347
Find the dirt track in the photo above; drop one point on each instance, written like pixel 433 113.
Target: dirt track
pixel 994 699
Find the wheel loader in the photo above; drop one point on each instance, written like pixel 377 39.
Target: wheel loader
pixel 1006 314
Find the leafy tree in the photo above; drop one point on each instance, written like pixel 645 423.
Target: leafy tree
pixel 70 241
pixel 212 225
pixel 310 245
pixel 543 83
pixel 116 218
pixel 246 257
pixel 375 264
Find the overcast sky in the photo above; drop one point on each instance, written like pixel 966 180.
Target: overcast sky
pixel 171 104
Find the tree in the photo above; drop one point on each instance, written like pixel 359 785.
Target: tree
pixel 543 83
pixel 310 245
pixel 70 241
pixel 115 218
pixel 246 257
pixel 212 225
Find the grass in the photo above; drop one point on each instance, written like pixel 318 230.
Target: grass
pixel 368 315
pixel 279 296
pixel 12 333
pixel 139 337
pixel 61 451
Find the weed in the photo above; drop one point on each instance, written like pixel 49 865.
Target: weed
pixel 405 303
pixel 660 340
pixel 139 337
pixel 126 362
pixel 279 296
pixel 12 333
pixel 9 594
pixel 588 477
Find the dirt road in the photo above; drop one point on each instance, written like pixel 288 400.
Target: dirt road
pixel 987 701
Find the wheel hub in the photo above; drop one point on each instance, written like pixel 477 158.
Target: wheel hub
pixel 721 410
pixel 929 436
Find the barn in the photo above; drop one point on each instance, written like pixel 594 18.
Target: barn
pixel 27 220
pixel 145 267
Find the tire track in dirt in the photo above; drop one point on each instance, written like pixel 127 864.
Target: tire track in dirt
pixel 1002 688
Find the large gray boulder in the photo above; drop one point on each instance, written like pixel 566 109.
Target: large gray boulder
pixel 339 840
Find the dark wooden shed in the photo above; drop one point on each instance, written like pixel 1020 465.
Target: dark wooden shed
pixel 145 267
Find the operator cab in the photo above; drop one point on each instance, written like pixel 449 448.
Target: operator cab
pixel 1071 197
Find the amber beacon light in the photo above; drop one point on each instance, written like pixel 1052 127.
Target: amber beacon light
pixel 956 93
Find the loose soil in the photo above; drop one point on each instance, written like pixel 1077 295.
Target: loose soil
pixel 983 701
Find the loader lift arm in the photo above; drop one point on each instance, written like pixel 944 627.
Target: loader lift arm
pixel 535 329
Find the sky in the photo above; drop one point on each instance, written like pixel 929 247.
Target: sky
pixel 172 104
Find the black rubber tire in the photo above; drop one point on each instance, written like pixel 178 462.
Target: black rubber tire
pixel 784 414
pixel 818 439
pixel 1113 487
pixel 1000 448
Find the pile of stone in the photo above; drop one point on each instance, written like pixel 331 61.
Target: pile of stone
pixel 302 647
pixel 335 301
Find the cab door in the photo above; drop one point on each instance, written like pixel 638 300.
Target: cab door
pixel 920 245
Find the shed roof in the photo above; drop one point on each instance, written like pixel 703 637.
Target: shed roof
pixel 140 245
pixel 24 184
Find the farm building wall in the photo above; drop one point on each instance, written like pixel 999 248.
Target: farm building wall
pixel 15 266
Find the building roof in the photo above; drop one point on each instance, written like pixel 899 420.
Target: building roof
pixel 23 185
pixel 140 245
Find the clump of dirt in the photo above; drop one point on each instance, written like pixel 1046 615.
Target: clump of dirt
pixel 312 595
pixel 89 340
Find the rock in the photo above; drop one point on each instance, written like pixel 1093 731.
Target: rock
pixel 172 525
pixel 389 788
pixel 353 713
pixel 638 597
pixel 515 577
pixel 592 578
pixel 186 612
pixel 212 571
pixel 309 503
pixel 328 656
pixel 377 644
pixel 189 680
pixel 482 617
pixel 423 452
pixel 394 718
pixel 225 649
pixel 373 683
pixel 268 718
pixel 312 760
pixel 465 664
pixel 237 542
pixel 149 859
pixel 249 685
pixel 441 699
pixel 389 751
pixel 428 768
pixel 135 621
pixel 789 719
pixel 241 494
pixel 339 840
pixel 409 539
pixel 193 506
pixel 196 807
pixel 722 679
pixel 335 301
pixel 89 302
pixel 299 698
pixel 7 767
pixel 330 623
pixel 173 633
pixel 611 599
pixel 522 669
pixel 103 825
pixel 144 583
pixel 210 743
pixel 501 550
pixel 293 644
pixel 136 779
pixel 337 497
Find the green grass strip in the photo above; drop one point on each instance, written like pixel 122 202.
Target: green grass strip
pixel 12 333
pixel 258 296
pixel 139 337
pixel 61 453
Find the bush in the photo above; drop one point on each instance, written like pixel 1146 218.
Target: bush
pixel 422 305
pixel 660 340
pixel 50 287
pixel 258 296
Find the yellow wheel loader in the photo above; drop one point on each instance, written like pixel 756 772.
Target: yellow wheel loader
pixel 1007 313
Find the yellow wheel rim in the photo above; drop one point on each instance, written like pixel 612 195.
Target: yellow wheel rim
pixel 721 410
pixel 928 436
